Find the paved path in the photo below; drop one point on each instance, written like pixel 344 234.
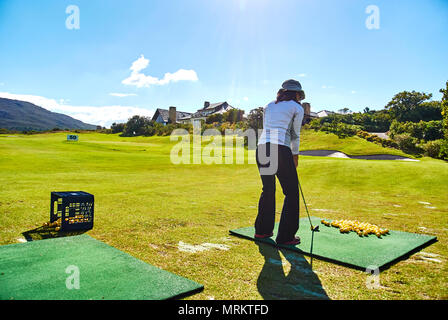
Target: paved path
pixel 382 135
pixel 339 154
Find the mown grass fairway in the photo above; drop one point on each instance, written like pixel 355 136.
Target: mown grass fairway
pixel 146 206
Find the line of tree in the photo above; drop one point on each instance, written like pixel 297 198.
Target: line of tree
pixel 404 107
pixel 415 123
pixel 144 126
pixel 443 154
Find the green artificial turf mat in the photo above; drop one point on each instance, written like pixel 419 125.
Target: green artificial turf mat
pixel 349 249
pixel 37 270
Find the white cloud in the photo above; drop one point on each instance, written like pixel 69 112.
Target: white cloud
pixel 327 87
pixel 180 75
pixel 103 115
pixel 246 99
pixel 122 95
pixel 353 91
pixel 302 75
pixel 141 80
pixel 139 64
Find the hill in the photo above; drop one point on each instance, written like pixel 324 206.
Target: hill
pixel 21 115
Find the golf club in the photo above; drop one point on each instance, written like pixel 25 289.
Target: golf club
pixel 313 228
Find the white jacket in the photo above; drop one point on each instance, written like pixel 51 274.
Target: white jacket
pixel 282 123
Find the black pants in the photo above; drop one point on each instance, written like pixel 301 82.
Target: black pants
pixel 287 175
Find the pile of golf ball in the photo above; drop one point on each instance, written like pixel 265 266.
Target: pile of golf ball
pixel 56 225
pixel 361 228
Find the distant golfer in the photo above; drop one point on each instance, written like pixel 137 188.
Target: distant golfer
pixel 281 134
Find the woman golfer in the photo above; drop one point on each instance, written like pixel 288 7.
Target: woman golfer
pixel 277 155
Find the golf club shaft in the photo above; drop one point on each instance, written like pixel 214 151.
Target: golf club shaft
pixel 306 207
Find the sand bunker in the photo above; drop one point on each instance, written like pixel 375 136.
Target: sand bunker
pixel 339 154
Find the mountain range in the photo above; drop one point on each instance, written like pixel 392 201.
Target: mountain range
pixel 21 116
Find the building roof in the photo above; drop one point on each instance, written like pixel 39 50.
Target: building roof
pixel 327 111
pixel 165 114
pixel 209 110
pixel 214 105
pixel 219 107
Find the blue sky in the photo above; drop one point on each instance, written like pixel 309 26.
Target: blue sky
pixel 238 51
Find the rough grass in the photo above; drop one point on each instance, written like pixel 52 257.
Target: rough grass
pixel 145 206
pixel 354 146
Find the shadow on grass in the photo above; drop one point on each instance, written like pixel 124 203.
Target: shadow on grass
pixel 42 233
pixel 300 283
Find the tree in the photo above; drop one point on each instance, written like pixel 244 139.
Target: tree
pixel 233 116
pixel 408 106
pixel 444 105
pixel 344 110
pixel 217 117
pixel 136 126
pixel 255 118
pixel 117 127
pixel 430 110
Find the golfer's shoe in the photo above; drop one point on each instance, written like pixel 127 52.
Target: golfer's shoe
pixel 294 242
pixel 263 236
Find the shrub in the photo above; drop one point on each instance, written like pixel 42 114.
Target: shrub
pixel 432 148
pixel 375 121
pixel 408 144
pixel 443 153
pixel 117 127
pixel 4 131
pixel 377 139
pixel 149 131
pixel 363 134
pixel 433 130
pixel 342 130
pixel 427 130
pixel 30 132
pixel 389 143
pixel 214 118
